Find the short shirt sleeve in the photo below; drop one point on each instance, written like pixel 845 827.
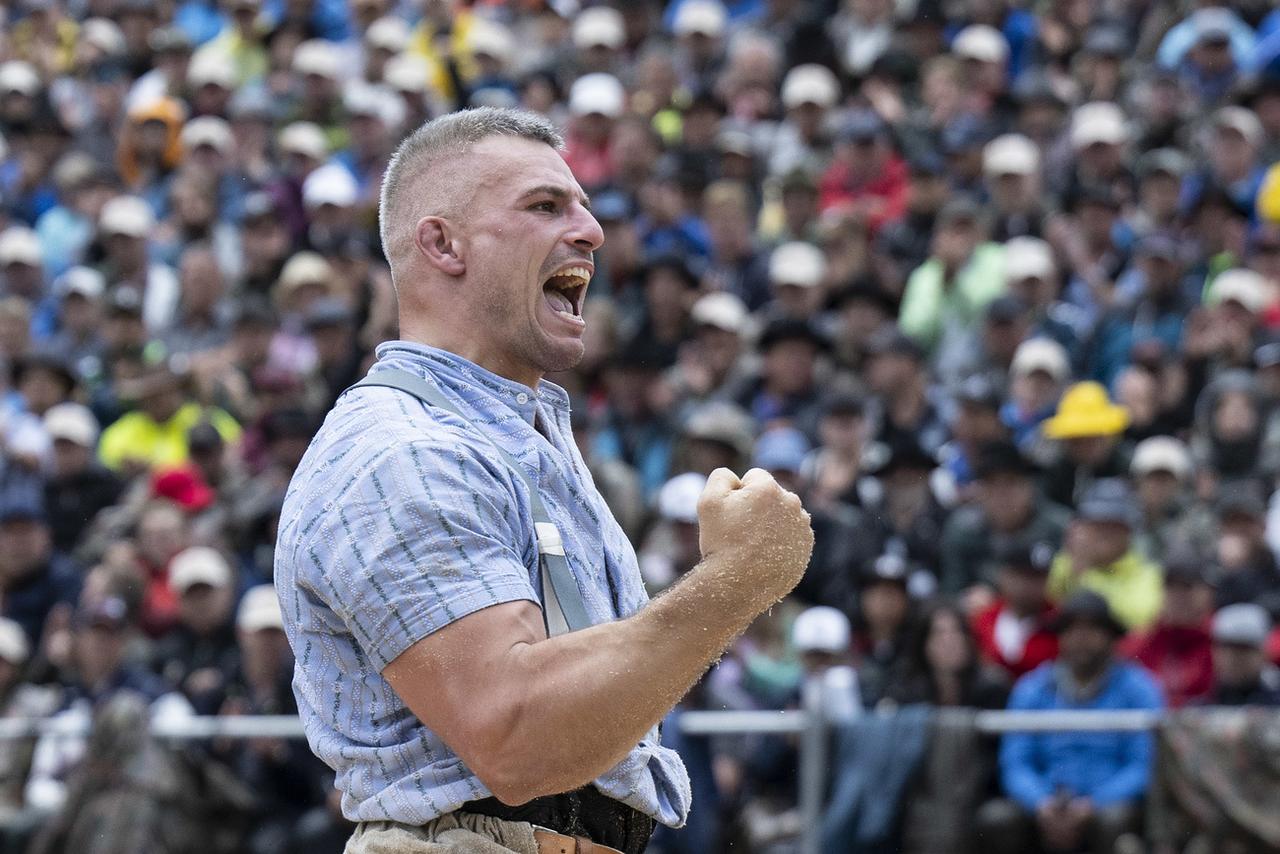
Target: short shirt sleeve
pixel 426 534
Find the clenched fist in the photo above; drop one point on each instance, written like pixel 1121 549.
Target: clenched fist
pixel 756 530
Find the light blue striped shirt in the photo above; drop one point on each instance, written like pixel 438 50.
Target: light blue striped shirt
pixel 401 519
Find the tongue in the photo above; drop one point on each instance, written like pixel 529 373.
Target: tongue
pixel 558 301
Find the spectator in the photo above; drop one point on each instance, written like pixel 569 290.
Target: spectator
pixel 1249 569
pixel 1014 632
pixel 821 636
pixel 36 579
pixel 1090 429
pixel 1176 649
pixel 943 668
pixel 884 622
pixel 1242 676
pixel 1098 554
pixel 78 487
pixel 198 655
pixel 1161 471
pixel 1039 368
pixel 1071 790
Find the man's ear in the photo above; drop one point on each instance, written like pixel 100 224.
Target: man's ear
pixel 438 244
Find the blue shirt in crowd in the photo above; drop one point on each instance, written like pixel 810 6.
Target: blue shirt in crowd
pixel 401 519
pixel 1106 767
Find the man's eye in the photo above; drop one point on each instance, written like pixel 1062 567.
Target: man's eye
pixel 549 207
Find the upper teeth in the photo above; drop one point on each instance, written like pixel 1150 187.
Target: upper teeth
pixel 575 275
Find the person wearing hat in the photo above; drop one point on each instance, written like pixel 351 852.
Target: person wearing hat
pixel 22 263
pixel 1090 430
pixel 1098 554
pixel 1007 509
pixel 670 547
pixel 1177 649
pixel 35 578
pixel 975 421
pixel 78 487
pixel 1074 791
pixel 595 102
pixel 787 388
pixel 905 407
pixel 797 280
pixel 906 241
pixel 883 624
pixel 125 227
pixel 1037 374
pixel 1157 312
pixel 1248 568
pixel 1013 632
pixel 946 295
pixel 867 178
pixel 908 503
pixel 198 655
pixel 80 293
pixel 711 364
pixel 821 635
pixel 1160 177
pixel 1230 422
pixel 1011 170
pixel 1242 676
pixel 716 434
pixel 809 94
pixel 1161 472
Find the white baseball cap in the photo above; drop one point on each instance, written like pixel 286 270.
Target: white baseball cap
pixel 304 138
pixel 597 93
pixel 797 263
pixel 599 26
pixel 701 17
pixel 1246 287
pixel 304 268
pixel 406 72
pixel 128 215
pixel 389 33
pixel 14 646
pixel 207 130
pixel 678 497
pixel 104 35
pixel 85 281
pixel 722 310
pixel 810 84
pixel 72 422
pixel 981 42
pixel 210 68
pixel 331 184
pixel 259 609
pixel 490 38
pixel 20 245
pixel 1011 154
pixel 19 76
pixel 1161 453
pixel 1028 257
pixel 1098 121
pixel 821 629
pixel 318 57
pixel 199 565
pixel 1041 354
pixel 1241 120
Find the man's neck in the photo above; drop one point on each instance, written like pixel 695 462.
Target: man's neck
pixel 474 351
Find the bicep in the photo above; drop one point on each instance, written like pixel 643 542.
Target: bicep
pixel 460 681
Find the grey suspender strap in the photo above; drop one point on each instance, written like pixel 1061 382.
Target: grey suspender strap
pixel 562 608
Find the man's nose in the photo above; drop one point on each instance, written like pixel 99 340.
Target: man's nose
pixel 586 235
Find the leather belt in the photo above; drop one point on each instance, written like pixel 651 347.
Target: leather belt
pixel 550 842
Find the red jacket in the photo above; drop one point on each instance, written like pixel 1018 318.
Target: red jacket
pixel 1041 646
pixel 889 189
pixel 1178 656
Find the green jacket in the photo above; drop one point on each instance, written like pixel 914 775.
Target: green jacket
pixel 929 303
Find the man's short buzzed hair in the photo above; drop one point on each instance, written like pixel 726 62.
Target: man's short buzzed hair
pixel 452 135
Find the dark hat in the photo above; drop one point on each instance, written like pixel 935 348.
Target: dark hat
pixel 1035 558
pixel 890 566
pixel 965 134
pixel 1185 566
pixel 1096 194
pixel 1241 497
pixel 862 126
pixel 905 455
pixel 1159 245
pixel 678 264
pixel 960 208
pixel 927 163
pixel 45 361
pixel 799 178
pixel 1089 607
pixel 890 340
pixel 838 404
pixel 1001 457
pixel 1006 309
pixel 865 289
pixel 327 312
pixel 22 499
pixel 791 329
pixel 1166 161
pixel 204 437
pixel 253 312
pixel 1034 87
pixel 977 390
pixel 1109 500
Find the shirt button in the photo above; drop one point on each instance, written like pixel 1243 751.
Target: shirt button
pixel 522 398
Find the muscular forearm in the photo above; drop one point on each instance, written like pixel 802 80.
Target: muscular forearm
pixel 583 700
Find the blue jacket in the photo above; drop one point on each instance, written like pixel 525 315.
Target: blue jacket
pixel 1106 767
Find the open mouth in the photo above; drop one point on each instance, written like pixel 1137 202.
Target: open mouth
pixel 566 290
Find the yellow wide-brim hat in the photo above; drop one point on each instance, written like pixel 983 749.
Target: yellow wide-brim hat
pixel 1086 410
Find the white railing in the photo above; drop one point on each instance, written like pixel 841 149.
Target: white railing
pixel 811 728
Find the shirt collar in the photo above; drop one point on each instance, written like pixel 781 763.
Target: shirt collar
pixel 466 377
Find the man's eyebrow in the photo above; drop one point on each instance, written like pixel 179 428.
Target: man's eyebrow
pixel 559 193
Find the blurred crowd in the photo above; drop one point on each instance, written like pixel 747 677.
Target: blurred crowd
pixel 995 287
